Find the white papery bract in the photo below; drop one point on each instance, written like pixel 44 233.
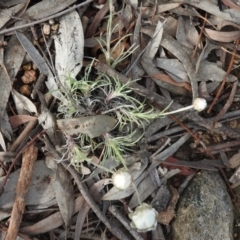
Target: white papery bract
pixel 144 218
pixel 122 179
pixel 199 104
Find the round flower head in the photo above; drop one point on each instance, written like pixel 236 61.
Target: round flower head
pixel 199 104
pixel 122 179
pixel 144 218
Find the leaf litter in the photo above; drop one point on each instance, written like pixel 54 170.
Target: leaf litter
pixel 106 74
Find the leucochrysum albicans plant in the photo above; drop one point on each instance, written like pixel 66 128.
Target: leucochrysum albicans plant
pixel 106 95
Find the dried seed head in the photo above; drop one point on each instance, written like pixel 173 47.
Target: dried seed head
pixel 29 77
pixel 122 179
pixel 199 104
pixel 46 29
pixel 25 90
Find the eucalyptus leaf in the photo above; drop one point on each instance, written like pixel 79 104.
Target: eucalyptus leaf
pixel 94 126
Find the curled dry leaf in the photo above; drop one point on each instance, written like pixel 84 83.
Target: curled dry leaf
pixel 222 36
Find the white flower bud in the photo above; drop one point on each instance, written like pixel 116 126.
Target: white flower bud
pixel 122 179
pixel 199 104
pixel 144 218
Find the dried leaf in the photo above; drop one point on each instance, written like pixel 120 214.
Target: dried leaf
pixel 169 43
pixel 166 78
pixel 14 48
pixel 151 70
pixel 51 222
pixel 2 142
pixel 63 189
pixel 7 13
pixel 234 161
pixel 145 189
pixel 17 120
pixel 210 71
pixel 10 3
pixel 23 103
pixel 6 127
pixel 174 67
pixel 69 45
pixel 222 36
pixel 46 8
pixel 184 170
pixel 235 177
pixel 212 8
pixel 5 89
pixel 186 34
pixel 94 126
pixel 40 191
pixel 231 4
pixel 153 45
pixel 150 11
pixel 134 3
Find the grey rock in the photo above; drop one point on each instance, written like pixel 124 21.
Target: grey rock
pixel 205 210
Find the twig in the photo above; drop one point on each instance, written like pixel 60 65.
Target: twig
pixel 23 134
pixel 44 19
pixel 82 188
pixel 29 158
pixel 125 222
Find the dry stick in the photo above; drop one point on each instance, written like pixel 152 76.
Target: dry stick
pixel 228 103
pixel 23 134
pixel 45 19
pixel 125 222
pixel 82 188
pixel 29 158
pixel 154 97
pixel 224 80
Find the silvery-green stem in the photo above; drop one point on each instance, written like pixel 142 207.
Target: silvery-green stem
pixel 176 111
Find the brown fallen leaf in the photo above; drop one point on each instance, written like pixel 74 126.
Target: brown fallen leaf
pixel 166 78
pixel 17 120
pixel 222 36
